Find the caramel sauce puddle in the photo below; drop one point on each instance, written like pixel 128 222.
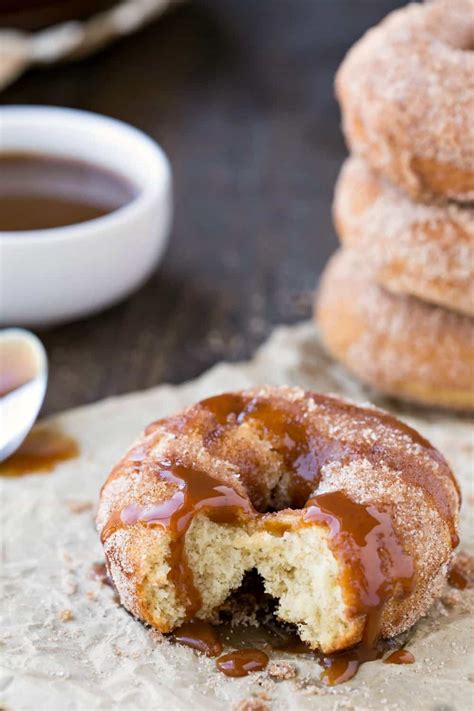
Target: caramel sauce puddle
pixel 42 450
pixel 200 636
pixel 241 662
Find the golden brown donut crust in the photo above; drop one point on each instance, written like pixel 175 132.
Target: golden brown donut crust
pixel 413 248
pixel 398 344
pixel 406 90
pixel 362 451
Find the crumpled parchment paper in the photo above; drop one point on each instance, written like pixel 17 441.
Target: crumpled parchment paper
pixel 73 40
pixel 102 658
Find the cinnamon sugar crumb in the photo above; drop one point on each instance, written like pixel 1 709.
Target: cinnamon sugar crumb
pixel 281 670
pixel 65 615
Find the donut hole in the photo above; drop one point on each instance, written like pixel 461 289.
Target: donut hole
pixel 266 451
pixel 284 494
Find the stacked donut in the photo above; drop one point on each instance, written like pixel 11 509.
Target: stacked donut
pixel 396 304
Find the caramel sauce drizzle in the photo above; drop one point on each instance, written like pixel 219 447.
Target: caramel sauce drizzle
pixel 375 568
pixel 194 491
pixel 42 450
pixel 242 662
pixel 306 452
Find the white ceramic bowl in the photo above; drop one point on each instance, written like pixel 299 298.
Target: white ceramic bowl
pixel 57 275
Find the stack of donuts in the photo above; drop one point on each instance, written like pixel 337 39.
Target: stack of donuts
pixel 396 303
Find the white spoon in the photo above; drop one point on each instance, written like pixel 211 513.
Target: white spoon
pixel 23 379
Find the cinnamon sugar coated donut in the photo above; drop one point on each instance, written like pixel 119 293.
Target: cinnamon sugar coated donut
pixel 349 515
pixel 407 94
pixel 413 248
pixel 401 345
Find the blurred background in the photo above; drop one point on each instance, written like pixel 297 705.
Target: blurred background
pixel 240 95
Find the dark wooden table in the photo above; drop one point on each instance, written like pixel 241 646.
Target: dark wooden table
pixel 240 95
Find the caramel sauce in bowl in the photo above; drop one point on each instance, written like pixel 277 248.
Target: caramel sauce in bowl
pixel 41 192
pixel 77 256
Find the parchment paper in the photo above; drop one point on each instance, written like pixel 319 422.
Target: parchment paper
pixel 102 658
